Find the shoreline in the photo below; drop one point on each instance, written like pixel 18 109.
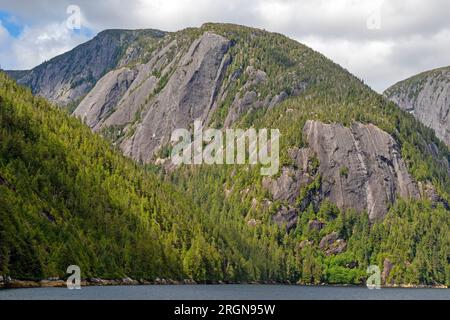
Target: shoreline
pixel 59 283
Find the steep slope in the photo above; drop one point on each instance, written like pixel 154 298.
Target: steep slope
pixel 224 75
pixel 67 78
pixel 427 97
pixel 354 172
pixel 216 73
pixel 227 75
pixel 361 182
pixel 67 198
pixel 360 167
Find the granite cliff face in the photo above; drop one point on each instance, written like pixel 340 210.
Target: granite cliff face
pixel 189 94
pixel 127 97
pixel 186 76
pixel 358 167
pixel 427 97
pixel 99 102
pixel 68 77
pixel 361 166
pixel 137 86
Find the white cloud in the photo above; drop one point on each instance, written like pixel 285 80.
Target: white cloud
pixel 5 42
pixel 36 45
pixel 365 59
pixel 414 35
pixel 3 33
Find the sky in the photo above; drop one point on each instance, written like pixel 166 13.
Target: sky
pixel 379 41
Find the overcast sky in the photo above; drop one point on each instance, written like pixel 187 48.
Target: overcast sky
pixel 379 41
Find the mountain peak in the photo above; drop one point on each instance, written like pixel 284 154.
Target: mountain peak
pixel 427 97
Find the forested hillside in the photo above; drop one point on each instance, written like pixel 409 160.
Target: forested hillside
pixel 68 196
pixel 324 243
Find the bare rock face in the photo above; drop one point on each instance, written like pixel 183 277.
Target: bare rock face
pixel 188 95
pixel 328 240
pixel 315 225
pixel 427 97
pixel 100 101
pixel 288 185
pixel 156 82
pixel 250 99
pixel 428 191
pixel 175 87
pixel 286 216
pixel 387 267
pixel 332 245
pixel 337 247
pixel 134 99
pixel 247 100
pixel 127 99
pixel 360 168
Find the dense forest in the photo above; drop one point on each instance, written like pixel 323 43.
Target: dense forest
pixel 68 197
pixel 234 194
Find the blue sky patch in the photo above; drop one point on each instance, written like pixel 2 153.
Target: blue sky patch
pixel 84 31
pixel 11 24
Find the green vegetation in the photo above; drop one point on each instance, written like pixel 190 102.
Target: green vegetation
pixel 162 83
pixel 68 197
pixel 228 193
pixel 413 235
pixel 343 172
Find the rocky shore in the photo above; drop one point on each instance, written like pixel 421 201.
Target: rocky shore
pixel 8 283
pixel 56 282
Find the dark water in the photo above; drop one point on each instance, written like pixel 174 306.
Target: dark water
pixel 226 292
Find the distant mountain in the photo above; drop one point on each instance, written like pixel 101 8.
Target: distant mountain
pixel 360 181
pixel 67 78
pixel 427 97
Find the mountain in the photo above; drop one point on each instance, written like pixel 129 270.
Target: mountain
pixel 221 74
pixel 361 182
pixel 427 97
pixel 65 79
pixel 189 75
pixel 66 197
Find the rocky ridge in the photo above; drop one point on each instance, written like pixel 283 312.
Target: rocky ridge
pixel 186 76
pixel 427 97
pixel 65 79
